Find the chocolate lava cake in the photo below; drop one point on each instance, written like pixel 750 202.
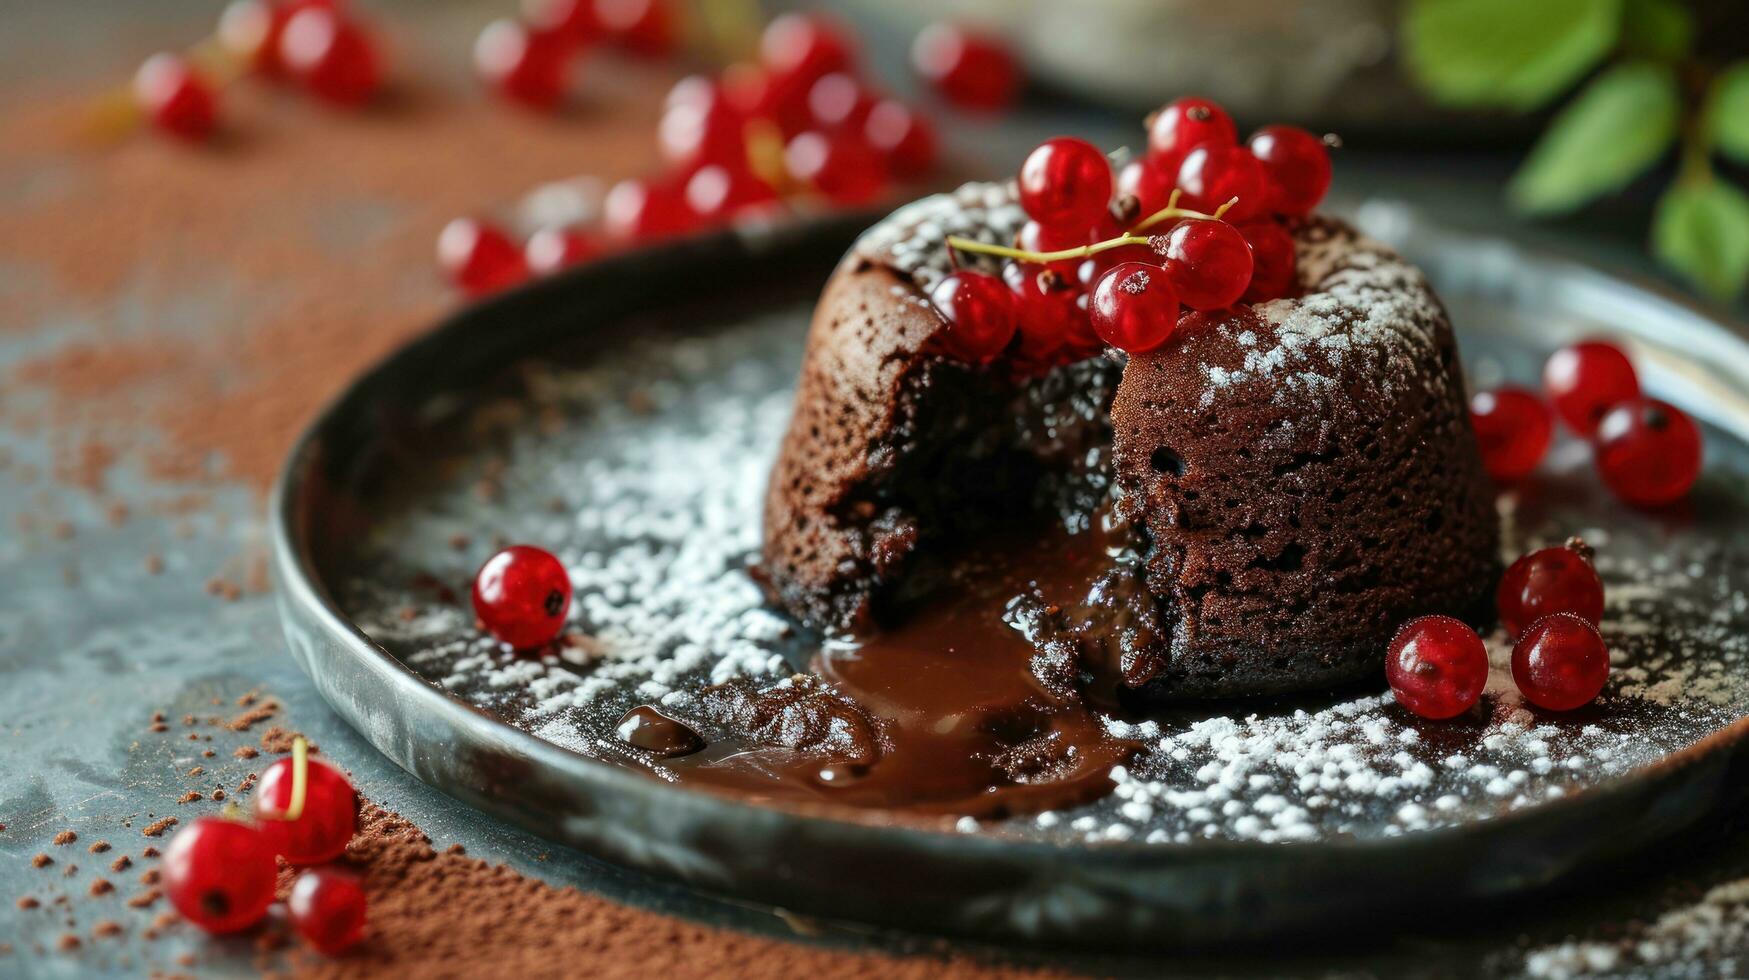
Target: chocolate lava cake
pixel 1269 494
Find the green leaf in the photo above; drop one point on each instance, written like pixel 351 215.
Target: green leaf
pixel 1513 53
pixel 1659 29
pixel 1618 126
pixel 1702 231
pixel 1728 112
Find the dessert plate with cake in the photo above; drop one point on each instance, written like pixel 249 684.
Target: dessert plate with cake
pixel 1122 554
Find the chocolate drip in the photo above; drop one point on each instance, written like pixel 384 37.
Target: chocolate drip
pixel 646 728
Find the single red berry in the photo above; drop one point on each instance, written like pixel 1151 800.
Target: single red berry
pixel 837 100
pixel 979 313
pixel 1183 125
pixel 521 595
pixel 1134 307
pixel 526 65
pixel 551 249
pixel 645 27
pixel 1053 323
pixel 839 165
pixel 1546 581
pixel 692 133
pixel 1149 185
pixel 1297 165
pixel 971 70
pixel 219 874
pixel 802 48
pixel 1213 174
pixel 175 98
pixel 901 135
pixel 1065 183
pixel 327 908
pixel 1274 262
pixel 640 210
pixel 1209 261
pixel 1436 666
pixel 479 258
pixel 1648 452
pixel 697 90
pixel 573 20
pixel 1560 663
pixel 1513 428
pixel 322 831
pixel 716 193
pixel 330 55
pixel 1586 379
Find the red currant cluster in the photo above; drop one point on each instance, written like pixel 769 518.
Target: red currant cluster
pixel 529 61
pixel 521 596
pixel 1082 275
pixel 314 44
pixel 800 124
pixel 220 871
pixel 1550 602
pixel 1648 452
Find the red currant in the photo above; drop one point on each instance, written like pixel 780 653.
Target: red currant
pixel 1134 307
pixel 1215 173
pixel 1209 262
pixel 526 65
pixel 1274 263
pixel 1035 237
pixel 521 595
pixel 250 29
pixel 1648 452
pixel 901 135
pixel 1550 580
pixel 971 70
pixel 1149 185
pixel 801 48
pixel 327 908
pixel 220 874
pixel 1185 124
pixel 1513 428
pixel 838 100
pixel 640 26
pixel 175 98
pixel 330 55
pixel 1436 666
pixel 1065 182
pixel 717 193
pixel 330 814
pixel 644 210
pixel 693 133
pixel 1585 380
pixel 478 257
pixel 574 20
pixel 1297 165
pixel 979 313
pixel 552 249
pixel 838 165
pixel 1098 264
pixel 1560 663
pixel 1053 324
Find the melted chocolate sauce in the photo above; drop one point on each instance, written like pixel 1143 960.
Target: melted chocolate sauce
pixel 654 732
pixel 952 711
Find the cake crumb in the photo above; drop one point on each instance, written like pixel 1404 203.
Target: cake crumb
pixel 98 847
pixel 65 837
pixel 100 886
pixel 41 861
pixel 157 827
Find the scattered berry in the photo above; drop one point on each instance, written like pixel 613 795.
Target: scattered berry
pixel 330 814
pixel 716 193
pixel 1584 380
pixel 479 258
pixel 1274 265
pixel 798 49
pixel 1513 428
pixel 1547 581
pixel 837 100
pixel 1560 663
pixel 330 55
pixel 175 98
pixel 573 20
pixel 219 874
pixel 526 65
pixel 838 165
pixel 980 315
pixel 1297 165
pixel 644 210
pixel 973 71
pixel 640 26
pixel 250 30
pixel 1133 307
pixel 521 595
pixel 1185 124
pixel 698 131
pixel 552 249
pixel 327 908
pixel 1065 183
pixel 902 136
pixel 1648 452
pixel 1214 173
pixel 1209 262
pixel 1436 666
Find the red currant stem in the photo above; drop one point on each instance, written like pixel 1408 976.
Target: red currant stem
pixel 1172 210
pixel 300 779
pixel 955 242
pixel 116 113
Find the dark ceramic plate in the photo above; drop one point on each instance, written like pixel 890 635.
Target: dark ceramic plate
pixel 623 415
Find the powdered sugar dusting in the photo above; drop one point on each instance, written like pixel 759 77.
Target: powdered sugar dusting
pixel 913 239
